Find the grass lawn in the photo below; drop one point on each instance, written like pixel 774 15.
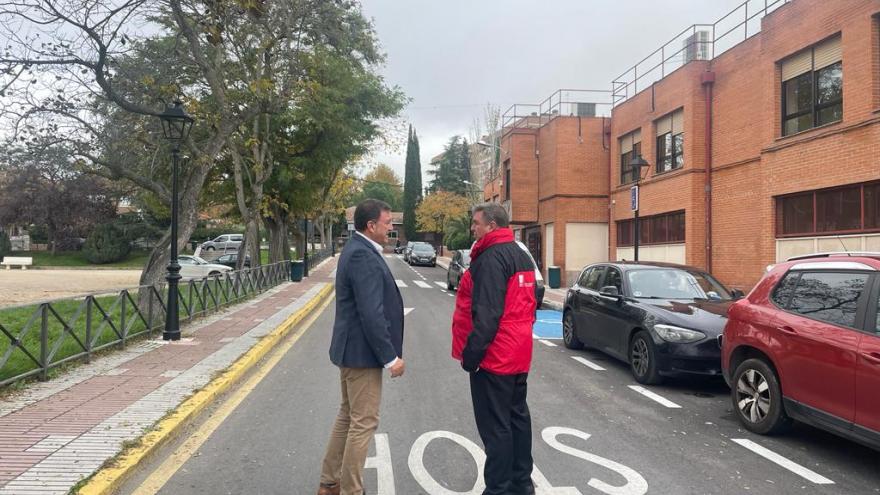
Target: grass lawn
pixel 136 259
pixel 24 323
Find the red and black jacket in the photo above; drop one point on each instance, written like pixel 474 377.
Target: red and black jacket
pixel 495 307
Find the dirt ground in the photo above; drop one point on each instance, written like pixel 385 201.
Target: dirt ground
pixel 26 286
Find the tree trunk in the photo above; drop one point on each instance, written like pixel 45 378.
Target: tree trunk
pixel 298 236
pixel 319 224
pixel 276 225
pixel 251 243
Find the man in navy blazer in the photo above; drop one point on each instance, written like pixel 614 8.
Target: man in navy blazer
pixel 367 337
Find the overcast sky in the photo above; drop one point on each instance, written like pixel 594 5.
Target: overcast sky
pixel 452 57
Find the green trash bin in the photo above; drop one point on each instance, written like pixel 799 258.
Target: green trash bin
pixel 296 270
pixel 554 277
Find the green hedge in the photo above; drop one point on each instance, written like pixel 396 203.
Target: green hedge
pixel 5 245
pixel 106 244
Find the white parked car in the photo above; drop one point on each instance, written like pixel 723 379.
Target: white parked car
pixel 195 267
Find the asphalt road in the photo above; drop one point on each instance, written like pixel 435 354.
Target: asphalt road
pixel 593 432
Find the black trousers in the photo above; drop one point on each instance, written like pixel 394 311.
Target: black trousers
pixel 505 427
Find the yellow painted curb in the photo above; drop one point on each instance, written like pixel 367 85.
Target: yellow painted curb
pixel 107 480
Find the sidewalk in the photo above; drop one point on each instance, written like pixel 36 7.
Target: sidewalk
pixel 54 434
pixel 554 298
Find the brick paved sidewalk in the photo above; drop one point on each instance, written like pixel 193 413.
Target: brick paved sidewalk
pixel 54 434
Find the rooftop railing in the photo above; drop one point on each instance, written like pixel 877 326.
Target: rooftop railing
pixel 562 103
pixel 697 42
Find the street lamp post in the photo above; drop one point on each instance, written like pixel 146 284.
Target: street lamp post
pixel 636 164
pixel 176 124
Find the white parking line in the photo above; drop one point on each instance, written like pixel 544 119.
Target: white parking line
pixel 547 343
pixel 441 284
pixel 588 363
pixel 400 284
pixel 782 461
pixel 651 395
pixel 424 285
pixel 407 311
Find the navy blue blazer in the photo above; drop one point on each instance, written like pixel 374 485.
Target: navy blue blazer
pixel 368 331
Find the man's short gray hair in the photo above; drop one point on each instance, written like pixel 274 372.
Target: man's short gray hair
pixel 493 212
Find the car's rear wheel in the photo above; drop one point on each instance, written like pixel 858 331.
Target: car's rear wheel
pixel 214 274
pixel 643 359
pixel 757 398
pixel 569 338
pixel 209 248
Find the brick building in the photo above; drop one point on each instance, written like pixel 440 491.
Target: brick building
pixel 553 178
pixel 762 139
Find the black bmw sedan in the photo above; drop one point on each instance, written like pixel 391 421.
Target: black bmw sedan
pixel 662 319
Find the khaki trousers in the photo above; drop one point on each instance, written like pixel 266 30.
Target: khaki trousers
pixel 355 425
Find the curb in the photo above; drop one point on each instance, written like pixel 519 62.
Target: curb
pixel 551 305
pixel 106 480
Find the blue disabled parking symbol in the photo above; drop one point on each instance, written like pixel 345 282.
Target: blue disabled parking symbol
pixel 548 324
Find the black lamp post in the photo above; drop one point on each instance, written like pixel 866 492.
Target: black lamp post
pixel 176 124
pixel 636 164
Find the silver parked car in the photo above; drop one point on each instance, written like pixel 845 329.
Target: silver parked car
pixel 224 242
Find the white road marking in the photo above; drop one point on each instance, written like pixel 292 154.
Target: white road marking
pixel 400 284
pixel 388 256
pixel 547 343
pixel 651 395
pixel 589 364
pixel 423 477
pixel 782 461
pixel 450 295
pixel 407 311
pixel 382 463
pixel 441 284
pixel 421 284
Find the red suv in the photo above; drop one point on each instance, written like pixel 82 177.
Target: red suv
pixel 805 345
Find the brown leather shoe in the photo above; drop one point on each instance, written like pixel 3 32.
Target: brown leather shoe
pixel 329 489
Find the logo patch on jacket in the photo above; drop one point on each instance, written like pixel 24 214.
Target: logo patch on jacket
pixel 523 283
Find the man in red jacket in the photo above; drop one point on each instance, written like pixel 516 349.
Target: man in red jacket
pixel 492 337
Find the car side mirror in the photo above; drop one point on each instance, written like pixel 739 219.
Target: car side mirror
pixel 610 291
pixel 737 294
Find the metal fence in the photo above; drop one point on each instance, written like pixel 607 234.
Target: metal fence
pixel 36 338
pixel 697 42
pixel 316 257
pixel 562 103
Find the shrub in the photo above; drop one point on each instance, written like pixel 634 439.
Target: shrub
pixel 106 244
pixel 5 245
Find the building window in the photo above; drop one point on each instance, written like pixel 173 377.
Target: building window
pixel 630 147
pixel 842 210
pixel 667 228
pixel 670 142
pixel 812 87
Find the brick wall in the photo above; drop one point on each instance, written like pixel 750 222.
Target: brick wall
pixel 751 161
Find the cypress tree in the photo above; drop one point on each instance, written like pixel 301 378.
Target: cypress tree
pixel 412 184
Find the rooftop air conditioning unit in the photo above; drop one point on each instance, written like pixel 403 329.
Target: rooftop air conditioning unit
pixel 585 109
pixel 696 46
